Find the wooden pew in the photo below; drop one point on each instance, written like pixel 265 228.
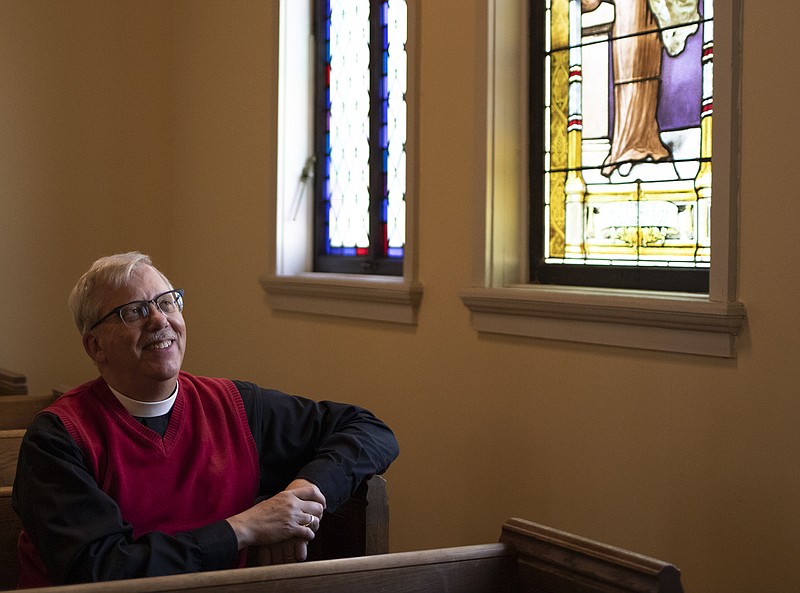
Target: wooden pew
pixel 10 441
pixel 12 383
pixel 529 558
pixel 10 528
pixel 358 527
pixel 553 561
pixel 17 411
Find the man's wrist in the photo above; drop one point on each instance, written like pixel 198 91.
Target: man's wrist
pixel 219 545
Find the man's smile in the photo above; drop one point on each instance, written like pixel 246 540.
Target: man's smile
pixel 159 345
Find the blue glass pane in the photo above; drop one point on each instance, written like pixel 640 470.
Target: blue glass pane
pixel 395 125
pixel 347 166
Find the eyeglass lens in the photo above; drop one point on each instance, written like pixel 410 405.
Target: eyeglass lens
pixel 168 303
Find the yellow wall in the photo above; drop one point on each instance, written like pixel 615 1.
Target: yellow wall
pixel 151 126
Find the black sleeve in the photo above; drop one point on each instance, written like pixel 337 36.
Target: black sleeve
pixel 332 445
pixel 78 529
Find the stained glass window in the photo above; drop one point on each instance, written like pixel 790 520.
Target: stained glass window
pixel 621 163
pixel 360 136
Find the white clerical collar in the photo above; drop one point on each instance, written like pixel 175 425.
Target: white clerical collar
pixel 146 409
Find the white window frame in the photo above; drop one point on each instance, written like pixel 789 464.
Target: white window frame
pixel 289 282
pixel 502 302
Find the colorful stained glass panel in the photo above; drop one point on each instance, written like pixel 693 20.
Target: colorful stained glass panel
pixel 349 167
pixel 628 115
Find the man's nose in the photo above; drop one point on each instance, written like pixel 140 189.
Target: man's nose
pixel 155 316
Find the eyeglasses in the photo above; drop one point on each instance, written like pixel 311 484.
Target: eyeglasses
pixel 134 313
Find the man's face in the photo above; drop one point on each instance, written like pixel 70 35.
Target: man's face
pixel 140 362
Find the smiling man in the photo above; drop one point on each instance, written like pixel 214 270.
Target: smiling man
pixel 141 356
pixel 149 470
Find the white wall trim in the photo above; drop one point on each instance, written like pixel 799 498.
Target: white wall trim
pixel 378 298
pixel 652 321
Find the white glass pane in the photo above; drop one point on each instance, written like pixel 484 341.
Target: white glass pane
pixel 349 123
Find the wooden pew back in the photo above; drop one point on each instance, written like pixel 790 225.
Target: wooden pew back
pixel 487 568
pixel 12 383
pixel 530 558
pixel 553 561
pixel 17 411
pixel 10 441
pixel 10 528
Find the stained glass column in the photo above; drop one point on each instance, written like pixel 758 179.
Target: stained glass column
pixel 347 166
pixel 396 124
pixel 556 141
pixel 702 182
pixel 575 187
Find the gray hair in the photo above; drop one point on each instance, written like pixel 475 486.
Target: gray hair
pixel 107 273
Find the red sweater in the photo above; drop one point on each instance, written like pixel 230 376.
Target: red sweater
pixel 204 469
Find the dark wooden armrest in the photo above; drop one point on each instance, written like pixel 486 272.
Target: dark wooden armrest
pixel 360 527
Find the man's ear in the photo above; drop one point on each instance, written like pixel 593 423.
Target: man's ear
pixel 92 346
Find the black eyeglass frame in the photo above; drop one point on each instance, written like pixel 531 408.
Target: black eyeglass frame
pixel 145 304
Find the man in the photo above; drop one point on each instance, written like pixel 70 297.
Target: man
pixel 148 470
